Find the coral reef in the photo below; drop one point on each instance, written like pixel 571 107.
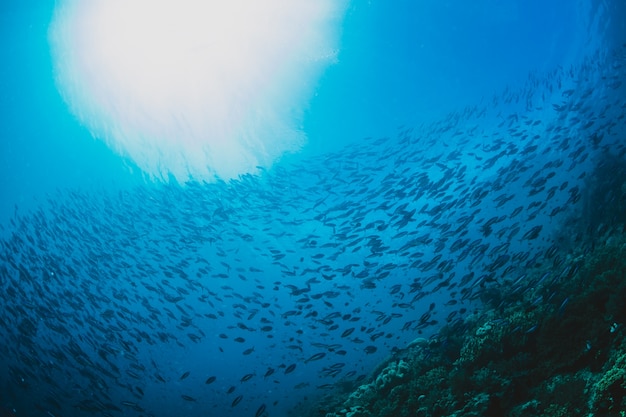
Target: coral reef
pixel 384 386
pixel 557 349
pixel 609 394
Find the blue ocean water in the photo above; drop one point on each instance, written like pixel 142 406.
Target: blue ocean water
pixel 447 147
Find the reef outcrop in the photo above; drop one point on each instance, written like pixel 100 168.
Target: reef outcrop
pixel 557 349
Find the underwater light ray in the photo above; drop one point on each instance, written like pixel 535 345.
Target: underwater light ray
pixel 193 89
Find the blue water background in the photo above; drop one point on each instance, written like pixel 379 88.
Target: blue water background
pixel 402 64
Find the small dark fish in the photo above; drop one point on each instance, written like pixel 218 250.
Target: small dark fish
pixel 236 401
pixel 246 377
pixel 231 390
pixel 188 398
pixel 185 375
pixel 248 351
pixel 269 372
pixel 260 411
pixel 315 357
pixel 517 211
pixel 210 380
pixel 533 233
pixel 347 332
pixel 290 368
pixel 370 349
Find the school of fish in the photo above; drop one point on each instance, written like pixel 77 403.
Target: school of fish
pixel 264 295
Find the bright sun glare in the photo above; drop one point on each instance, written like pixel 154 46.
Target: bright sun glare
pixel 194 89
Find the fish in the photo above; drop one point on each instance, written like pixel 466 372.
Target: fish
pixel 532 233
pixel 312 358
pixel 246 377
pixel 210 380
pixel 260 411
pixel 347 332
pixel 236 401
pixel 370 349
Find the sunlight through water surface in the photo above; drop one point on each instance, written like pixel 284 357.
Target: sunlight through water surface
pixel 192 89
